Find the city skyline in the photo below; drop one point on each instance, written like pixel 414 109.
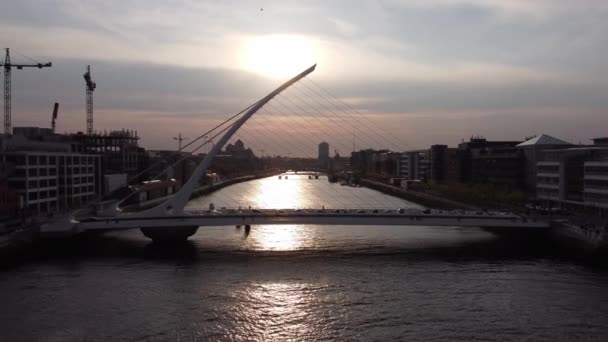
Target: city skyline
pixel 426 71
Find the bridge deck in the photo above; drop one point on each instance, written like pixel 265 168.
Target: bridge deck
pixel 370 217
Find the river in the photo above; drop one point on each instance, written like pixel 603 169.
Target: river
pixel 303 282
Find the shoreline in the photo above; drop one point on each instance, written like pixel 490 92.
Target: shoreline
pixel 563 232
pixel 205 190
pixel 419 198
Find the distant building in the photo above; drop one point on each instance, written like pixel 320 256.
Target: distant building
pixel 236 160
pixel 323 155
pixel 488 154
pixel 533 150
pixel 238 151
pixel 170 164
pixel 53 172
pixel 361 161
pixel 444 165
pixel 576 176
pixel 338 163
pixel 501 166
pixel 119 150
pixel 388 163
pixel 414 165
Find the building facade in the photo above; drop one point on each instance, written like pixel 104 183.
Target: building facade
pixel 574 177
pixel 414 165
pixel 53 181
pixel 533 150
pixel 501 166
pixel 444 164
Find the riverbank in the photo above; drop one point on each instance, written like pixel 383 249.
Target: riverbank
pixel 207 189
pixel 592 240
pixel 15 242
pixel 568 234
pixel 421 198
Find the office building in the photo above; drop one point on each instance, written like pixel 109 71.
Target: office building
pixel 414 165
pixel 323 157
pixel 576 176
pixel 533 150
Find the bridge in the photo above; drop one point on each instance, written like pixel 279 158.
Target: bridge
pixel 170 220
pixel 374 217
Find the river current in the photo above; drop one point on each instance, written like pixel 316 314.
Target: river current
pixel 290 283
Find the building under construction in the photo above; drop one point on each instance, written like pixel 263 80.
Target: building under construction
pixel 120 151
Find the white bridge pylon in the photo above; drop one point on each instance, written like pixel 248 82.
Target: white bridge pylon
pixel 175 205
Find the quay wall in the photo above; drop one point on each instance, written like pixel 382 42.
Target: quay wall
pixel 420 198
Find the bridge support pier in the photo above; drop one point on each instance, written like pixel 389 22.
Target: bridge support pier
pixel 169 234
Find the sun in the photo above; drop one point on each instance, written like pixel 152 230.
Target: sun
pixel 278 56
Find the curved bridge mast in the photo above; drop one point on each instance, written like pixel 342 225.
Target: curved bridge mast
pixel 176 204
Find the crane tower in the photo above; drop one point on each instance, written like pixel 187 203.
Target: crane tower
pixel 7 85
pixel 90 85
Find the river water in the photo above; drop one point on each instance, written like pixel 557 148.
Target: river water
pixel 304 282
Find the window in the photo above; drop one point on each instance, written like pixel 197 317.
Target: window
pixel 32 160
pixel 32 172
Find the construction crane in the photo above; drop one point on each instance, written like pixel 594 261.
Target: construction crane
pixel 90 88
pixel 179 139
pixel 7 85
pixel 54 119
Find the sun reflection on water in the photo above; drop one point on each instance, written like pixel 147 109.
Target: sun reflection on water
pixel 284 310
pixel 273 194
pixel 279 238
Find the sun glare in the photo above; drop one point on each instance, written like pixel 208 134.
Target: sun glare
pixel 278 56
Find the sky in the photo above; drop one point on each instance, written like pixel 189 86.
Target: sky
pixel 425 71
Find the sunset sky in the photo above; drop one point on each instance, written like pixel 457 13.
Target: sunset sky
pixel 430 71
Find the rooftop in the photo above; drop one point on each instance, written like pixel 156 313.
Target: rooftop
pixel 543 139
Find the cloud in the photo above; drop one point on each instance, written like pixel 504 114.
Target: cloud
pixel 536 8
pixel 426 70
